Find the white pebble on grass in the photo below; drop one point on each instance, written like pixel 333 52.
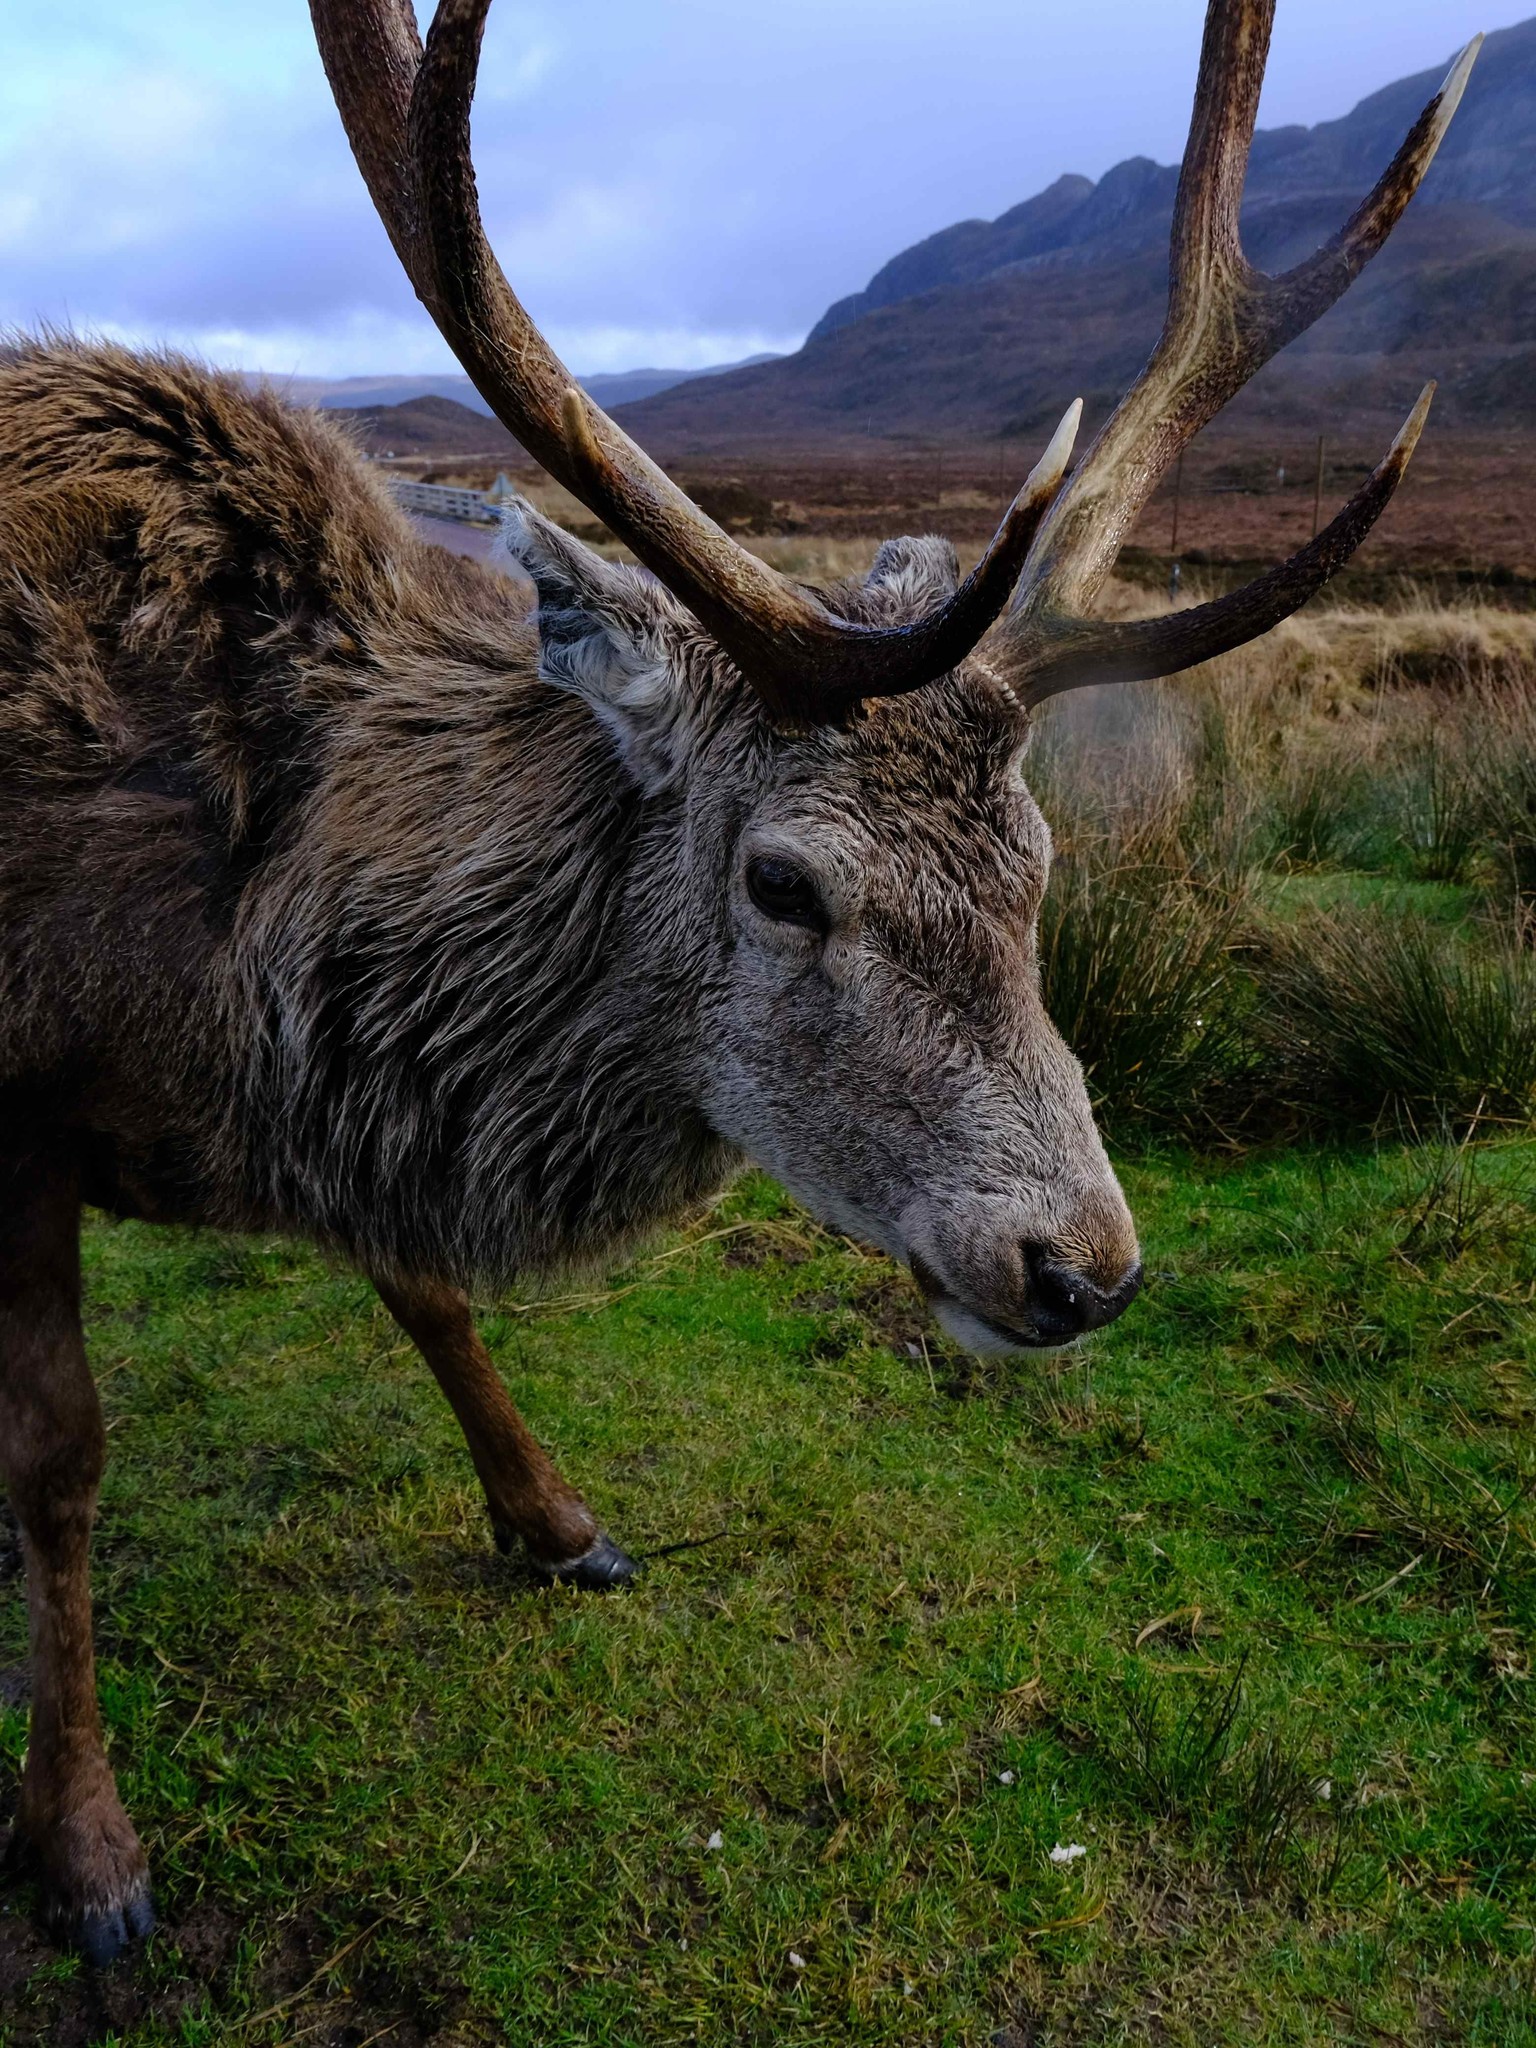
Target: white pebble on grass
pixel 1068 1852
pixel 716 1841
pixel 935 1720
pixel 797 1962
pixel 1005 1777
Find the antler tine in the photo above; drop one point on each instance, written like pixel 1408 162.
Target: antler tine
pixel 407 113
pixel 1206 252
pixel 1225 320
pixel 1302 295
pixel 1138 650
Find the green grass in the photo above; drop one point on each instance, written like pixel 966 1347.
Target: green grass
pixel 1297 1473
pixel 1383 1017
pixel 1285 897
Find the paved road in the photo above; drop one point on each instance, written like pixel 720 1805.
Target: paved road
pixel 460 539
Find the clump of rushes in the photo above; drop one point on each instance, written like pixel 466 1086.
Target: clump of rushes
pixel 1140 929
pixel 1174 1745
pixel 1318 810
pixel 1386 766
pixel 1368 1016
pixel 1442 808
pixel 1142 978
pixel 1505 754
pixel 1192 1754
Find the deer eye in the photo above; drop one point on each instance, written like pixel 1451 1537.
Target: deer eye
pixel 782 890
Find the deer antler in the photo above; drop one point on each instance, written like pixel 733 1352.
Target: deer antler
pixel 406 112
pixel 1225 320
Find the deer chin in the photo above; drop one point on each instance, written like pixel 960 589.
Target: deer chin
pixel 980 1334
pixel 970 1329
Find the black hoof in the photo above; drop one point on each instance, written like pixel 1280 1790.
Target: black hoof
pixel 599 1568
pixel 103 1933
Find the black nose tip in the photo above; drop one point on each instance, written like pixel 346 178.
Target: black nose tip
pixel 1064 1303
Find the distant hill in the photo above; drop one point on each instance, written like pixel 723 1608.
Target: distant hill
pixel 609 388
pixel 970 250
pixel 429 426
pixel 1504 391
pixel 987 328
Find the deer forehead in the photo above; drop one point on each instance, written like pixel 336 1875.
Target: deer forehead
pixel 925 771
pixel 925 833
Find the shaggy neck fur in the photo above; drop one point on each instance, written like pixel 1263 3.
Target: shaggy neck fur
pixel 468 991
pixel 319 909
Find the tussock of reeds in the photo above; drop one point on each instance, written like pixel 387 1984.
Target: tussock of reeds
pixel 1373 1013
pixel 1298 887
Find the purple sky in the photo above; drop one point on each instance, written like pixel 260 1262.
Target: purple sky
pixel 667 181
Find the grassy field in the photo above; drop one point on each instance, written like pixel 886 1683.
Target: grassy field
pixel 1174 1690
pixel 1240 1601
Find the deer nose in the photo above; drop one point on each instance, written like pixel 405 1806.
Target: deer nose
pixel 1064 1303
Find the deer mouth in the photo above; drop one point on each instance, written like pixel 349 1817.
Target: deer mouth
pixel 1067 1306
pixel 986 1334
pixel 968 1326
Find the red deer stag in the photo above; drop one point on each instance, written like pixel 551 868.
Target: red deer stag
pixel 338 898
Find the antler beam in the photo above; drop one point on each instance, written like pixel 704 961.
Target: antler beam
pixel 407 113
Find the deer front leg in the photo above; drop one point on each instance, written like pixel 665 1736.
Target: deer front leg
pixel 526 1495
pixel 95 1880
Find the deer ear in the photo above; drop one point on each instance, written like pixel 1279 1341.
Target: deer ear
pixel 610 634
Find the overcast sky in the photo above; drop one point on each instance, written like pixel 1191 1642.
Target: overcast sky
pixel 667 181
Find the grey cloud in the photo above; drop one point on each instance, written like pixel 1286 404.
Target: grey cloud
pixel 683 167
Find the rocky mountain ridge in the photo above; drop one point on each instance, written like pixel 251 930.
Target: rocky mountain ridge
pixel 984 329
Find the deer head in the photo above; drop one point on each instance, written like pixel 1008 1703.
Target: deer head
pixel 848 835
